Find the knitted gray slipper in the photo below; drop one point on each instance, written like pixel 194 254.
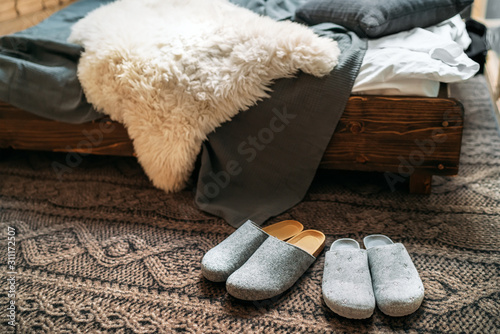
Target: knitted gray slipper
pixel 275 266
pixel 347 285
pixel 397 286
pixel 222 260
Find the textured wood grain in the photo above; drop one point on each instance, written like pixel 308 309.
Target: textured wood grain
pixel 413 136
pixel 7 10
pixel 16 15
pixel 420 183
pixel 397 134
pixel 22 130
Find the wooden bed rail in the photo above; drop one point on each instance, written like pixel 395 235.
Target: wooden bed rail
pixel 399 136
pixel 419 137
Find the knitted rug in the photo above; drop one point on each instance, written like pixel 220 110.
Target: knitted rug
pixel 103 251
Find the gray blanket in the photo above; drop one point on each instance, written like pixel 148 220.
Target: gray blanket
pixel 263 161
pixel 38 68
pixel 256 166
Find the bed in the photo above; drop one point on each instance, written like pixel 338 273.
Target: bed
pixel 375 133
pixel 400 136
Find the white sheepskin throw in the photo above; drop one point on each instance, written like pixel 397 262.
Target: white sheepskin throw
pixel 174 70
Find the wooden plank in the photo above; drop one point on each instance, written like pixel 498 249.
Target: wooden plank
pixel 22 130
pixel 29 6
pixel 393 134
pixel 420 183
pixel 397 134
pixel 492 74
pixel 7 10
pixel 52 3
pixel 15 20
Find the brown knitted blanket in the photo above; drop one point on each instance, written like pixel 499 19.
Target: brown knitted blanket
pixel 102 251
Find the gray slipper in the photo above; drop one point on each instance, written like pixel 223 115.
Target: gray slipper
pixel 275 266
pixel 397 286
pixel 222 260
pixel 347 286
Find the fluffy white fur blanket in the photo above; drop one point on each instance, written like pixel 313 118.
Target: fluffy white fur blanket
pixel 173 70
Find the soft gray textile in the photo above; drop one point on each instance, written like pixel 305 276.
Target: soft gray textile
pixel 397 286
pixel 271 270
pixel 222 260
pixel 276 9
pixel 263 161
pixel 347 286
pixel 38 68
pixel 374 19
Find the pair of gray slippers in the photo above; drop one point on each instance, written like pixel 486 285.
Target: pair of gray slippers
pixel 355 279
pixel 261 263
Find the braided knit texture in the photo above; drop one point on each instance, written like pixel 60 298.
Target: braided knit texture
pixel 102 251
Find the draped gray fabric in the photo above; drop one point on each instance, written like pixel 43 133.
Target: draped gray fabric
pixel 38 68
pixel 263 161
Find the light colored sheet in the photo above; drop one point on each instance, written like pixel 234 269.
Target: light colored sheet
pixel 414 62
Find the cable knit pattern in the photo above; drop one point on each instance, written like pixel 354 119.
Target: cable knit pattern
pixel 102 251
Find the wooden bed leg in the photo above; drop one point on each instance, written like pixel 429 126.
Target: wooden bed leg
pixel 420 183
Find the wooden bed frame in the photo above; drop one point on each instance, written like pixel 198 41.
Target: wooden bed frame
pixel 400 136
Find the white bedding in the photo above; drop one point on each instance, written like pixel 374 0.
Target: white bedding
pixel 414 62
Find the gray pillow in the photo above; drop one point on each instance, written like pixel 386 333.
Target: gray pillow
pixel 377 18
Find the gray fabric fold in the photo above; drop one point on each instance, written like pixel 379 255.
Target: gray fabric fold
pixel 38 68
pixel 276 9
pixel 397 286
pixel 271 270
pixel 222 260
pixel 347 286
pixel 263 161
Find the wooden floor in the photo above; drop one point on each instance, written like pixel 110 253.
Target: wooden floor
pixel 17 15
pixel 482 12
pixel 492 74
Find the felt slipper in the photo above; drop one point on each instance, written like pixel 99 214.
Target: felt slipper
pixel 275 266
pixel 347 286
pixel 222 260
pixel 396 284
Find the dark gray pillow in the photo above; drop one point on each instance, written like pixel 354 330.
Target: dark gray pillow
pixel 377 18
